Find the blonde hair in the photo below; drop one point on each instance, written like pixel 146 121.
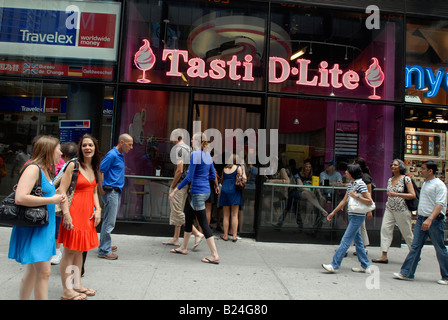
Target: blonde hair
pixel 232 160
pixel 201 137
pixel 43 153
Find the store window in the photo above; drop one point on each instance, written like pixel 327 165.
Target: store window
pixel 195 43
pixel 150 117
pixel 32 108
pixel 426 61
pixel 331 52
pixel 314 137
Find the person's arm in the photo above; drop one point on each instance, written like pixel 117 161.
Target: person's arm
pixel 63 187
pixel 177 174
pixel 97 213
pixel 26 184
pixel 339 207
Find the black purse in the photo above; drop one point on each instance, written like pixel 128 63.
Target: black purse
pixel 413 203
pixel 21 216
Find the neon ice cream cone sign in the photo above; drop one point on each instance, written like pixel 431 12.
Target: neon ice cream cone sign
pixel 144 60
pixel 280 70
pixel 374 77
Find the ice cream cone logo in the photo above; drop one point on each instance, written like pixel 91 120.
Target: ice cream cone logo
pixel 374 77
pixel 144 60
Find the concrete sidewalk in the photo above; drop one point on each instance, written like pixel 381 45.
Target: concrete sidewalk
pixel 248 270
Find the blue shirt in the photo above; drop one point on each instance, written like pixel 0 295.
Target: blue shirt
pixel 112 168
pixel 201 170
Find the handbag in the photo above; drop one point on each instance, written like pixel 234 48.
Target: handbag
pixel 356 206
pixel 413 203
pixel 23 216
pixel 71 188
pixel 239 181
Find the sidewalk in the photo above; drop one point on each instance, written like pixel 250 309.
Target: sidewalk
pixel 249 270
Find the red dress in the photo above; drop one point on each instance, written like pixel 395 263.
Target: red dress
pixel 83 236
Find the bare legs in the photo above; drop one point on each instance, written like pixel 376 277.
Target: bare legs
pixel 35 278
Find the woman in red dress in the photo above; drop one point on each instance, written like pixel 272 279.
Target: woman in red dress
pixel 78 226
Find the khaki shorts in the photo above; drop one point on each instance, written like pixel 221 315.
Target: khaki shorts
pixel 177 216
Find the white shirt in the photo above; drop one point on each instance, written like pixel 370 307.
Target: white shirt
pixel 433 192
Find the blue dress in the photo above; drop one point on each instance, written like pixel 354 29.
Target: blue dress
pixel 35 244
pixel 230 194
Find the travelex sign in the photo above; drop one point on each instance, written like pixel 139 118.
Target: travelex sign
pixel 279 70
pixel 425 78
pixel 53 29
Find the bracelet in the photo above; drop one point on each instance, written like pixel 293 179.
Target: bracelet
pixel 66 213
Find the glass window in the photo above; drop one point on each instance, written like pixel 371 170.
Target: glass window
pixel 31 108
pixel 150 117
pixel 426 61
pixel 316 141
pixel 195 43
pixel 330 52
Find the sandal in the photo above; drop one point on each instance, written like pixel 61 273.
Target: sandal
pixel 177 251
pixel 88 292
pixel 225 239
pixel 75 297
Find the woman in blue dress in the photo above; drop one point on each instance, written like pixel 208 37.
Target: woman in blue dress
pixel 34 246
pixel 230 199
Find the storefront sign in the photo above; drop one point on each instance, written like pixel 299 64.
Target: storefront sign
pixel 279 70
pixel 425 78
pixel 73 130
pixel 46 29
pixel 56 70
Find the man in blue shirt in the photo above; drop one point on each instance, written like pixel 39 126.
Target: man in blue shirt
pixel 112 168
pixel 430 223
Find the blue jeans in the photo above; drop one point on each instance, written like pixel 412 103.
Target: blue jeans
pixel 111 205
pixel 352 234
pixel 436 233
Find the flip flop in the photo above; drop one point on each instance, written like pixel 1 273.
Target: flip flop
pixel 380 261
pixel 197 243
pixel 207 260
pixel 177 251
pixel 222 237
pixel 88 292
pixel 170 243
pixel 80 295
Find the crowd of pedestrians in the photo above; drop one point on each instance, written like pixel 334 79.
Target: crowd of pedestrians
pixel 195 180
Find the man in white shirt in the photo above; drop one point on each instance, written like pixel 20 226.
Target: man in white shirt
pixel 430 223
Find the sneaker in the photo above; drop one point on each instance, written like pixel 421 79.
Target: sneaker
pixel 362 270
pixel 443 282
pixel 329 268
pixel 56 259
pixel 401 277
pixel 110 256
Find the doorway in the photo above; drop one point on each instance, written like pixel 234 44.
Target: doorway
pixel 224 112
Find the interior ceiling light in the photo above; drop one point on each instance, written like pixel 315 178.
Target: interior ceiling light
pixel 299 53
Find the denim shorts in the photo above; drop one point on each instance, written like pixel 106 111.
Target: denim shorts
pixel 198 201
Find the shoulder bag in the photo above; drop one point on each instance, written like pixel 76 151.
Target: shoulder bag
pixel 356 206
pixel 413 203
pixel 239 181
pixel 22 216
pixel 71 188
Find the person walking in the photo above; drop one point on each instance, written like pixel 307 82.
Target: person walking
pixel 35 246
pixel 397 212
pixel 356 189
pixel 177 217
pixel 78 228
pixel 113 170
pixel 430 223
pixel 231 196
pixel 200 172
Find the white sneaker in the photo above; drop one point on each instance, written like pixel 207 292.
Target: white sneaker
pixel 329 268
pixel 402 277
pixel 57 258
pixel 362 270
pixel 443 282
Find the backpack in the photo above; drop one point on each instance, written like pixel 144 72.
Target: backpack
pixel 412 204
